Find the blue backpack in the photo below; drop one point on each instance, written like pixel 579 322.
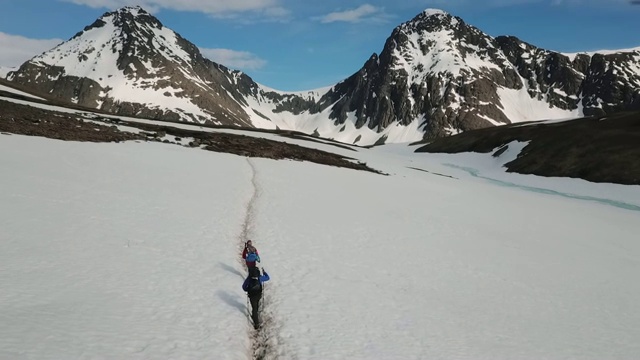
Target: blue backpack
pixel 252 257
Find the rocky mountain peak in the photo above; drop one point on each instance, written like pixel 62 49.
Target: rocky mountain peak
pixel 128 63
pixel 436 41
pixel 437 22
pixel 433 19
pixel 132 16
pixel 128 19
pixel 129 42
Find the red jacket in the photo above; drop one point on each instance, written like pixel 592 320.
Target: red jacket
pixel 246 251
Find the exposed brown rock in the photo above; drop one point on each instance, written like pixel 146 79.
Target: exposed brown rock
pixel 598 149
pixel 33 121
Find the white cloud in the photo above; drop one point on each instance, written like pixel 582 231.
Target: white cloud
pixel 18 49
pixel 216 8
pixel 234 59
pixel 506 3
pixel 361 13
pixel 578 2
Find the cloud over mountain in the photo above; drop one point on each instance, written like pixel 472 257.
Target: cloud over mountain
pixel 216 8
pixel 366 12
pixel 242 60
pixel 18 49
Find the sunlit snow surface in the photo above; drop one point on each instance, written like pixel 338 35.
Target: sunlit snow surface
pixel 131 251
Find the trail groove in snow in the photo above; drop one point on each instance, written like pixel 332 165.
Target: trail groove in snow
pixel 263 342
pixel 249 215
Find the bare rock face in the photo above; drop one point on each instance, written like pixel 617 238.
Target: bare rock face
pixel 598 83
pixel 452 77
pixel 597 149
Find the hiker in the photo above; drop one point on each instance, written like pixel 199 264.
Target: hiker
pixel 252 285
pixel 250 254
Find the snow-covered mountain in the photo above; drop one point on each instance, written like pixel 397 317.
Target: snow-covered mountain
pixel 451 77
pixel 436 76
pixel 128 63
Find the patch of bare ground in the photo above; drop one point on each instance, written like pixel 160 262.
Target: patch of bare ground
pixel 597 149
pixel 28 120
pixel 33 121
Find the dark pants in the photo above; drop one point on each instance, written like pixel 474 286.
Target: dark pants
pixel 255 306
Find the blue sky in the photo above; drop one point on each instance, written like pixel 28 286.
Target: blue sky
pixel 299 45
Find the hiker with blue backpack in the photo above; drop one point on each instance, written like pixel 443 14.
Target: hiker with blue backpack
pixel 252 285
pixel 250 254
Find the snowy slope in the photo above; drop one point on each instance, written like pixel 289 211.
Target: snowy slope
pixel 131 250
pixel 100 49
pixel 136 66
pixel 122 251
pixel 572 56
